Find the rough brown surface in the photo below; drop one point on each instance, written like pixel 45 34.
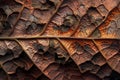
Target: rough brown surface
pixel 59 39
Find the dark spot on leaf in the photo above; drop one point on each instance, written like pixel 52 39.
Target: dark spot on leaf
pixel 39 48
pixel 61 56
pixel 6 2
pixel 68 23
pixel 47 54
pixel 51 50
pixel 59 60
pixel 34 28
pixel 96 33
pixel 78 47
pixel 50 3
pixel 115 76
pixel 98 59
pixel 56 27
pixel 51 44
pixel 12 18
pixel 105 70
pixel 9 51
pixel 88 48
pixel 115 45
pixel 31 28
pixel 40 26
pixel 3 15
pixel 3 75
pixel 5 28
pixel 43 77
pixel 87 66
pixel 94 16
pixel 65 28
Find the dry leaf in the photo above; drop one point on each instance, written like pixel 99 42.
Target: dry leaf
pixel 59 39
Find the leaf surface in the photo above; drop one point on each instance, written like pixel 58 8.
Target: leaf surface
pixel 59 39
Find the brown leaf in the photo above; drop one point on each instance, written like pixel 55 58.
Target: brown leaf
pixel 59 39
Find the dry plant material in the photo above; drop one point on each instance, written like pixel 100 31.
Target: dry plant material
pixel 59 39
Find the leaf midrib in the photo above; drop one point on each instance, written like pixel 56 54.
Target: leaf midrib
pixel 53 37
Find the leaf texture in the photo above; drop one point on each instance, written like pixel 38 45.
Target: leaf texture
pixel 59 39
